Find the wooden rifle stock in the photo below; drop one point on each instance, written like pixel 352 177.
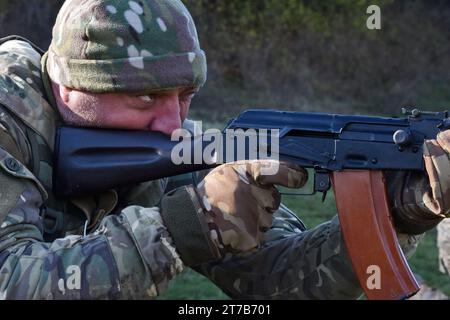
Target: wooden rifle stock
pixel 369 235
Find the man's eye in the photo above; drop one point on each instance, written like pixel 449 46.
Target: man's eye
pixel 147 98
pixel 189 96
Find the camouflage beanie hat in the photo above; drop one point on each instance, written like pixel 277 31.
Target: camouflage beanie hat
pixel 121 45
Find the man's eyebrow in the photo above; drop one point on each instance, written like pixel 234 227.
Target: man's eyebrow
pixel 184 90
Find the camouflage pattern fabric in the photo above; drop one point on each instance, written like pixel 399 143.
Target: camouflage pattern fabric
pixel 437 162
pixel 119 45
pixel 294 263
pixel 242 187
pixel 129 255
pixel 125 257
pixel 22 91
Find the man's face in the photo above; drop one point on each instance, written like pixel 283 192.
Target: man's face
pixel 162 111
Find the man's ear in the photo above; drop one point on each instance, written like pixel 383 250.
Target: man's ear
pixel 64 93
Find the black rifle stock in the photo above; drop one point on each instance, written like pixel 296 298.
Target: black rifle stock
pixel 350 152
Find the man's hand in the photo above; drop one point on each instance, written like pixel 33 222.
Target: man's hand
pixel 437 163
pixel 239 199
pixel 425 200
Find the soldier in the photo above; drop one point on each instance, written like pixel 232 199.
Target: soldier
pixel 137 65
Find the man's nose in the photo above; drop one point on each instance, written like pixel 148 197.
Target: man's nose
pixel 167 117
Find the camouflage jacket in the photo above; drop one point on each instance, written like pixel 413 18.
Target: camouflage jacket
pixel 115 245
pixel 73 248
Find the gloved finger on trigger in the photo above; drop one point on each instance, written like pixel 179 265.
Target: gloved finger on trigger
pixel 437 165
pixel 281 173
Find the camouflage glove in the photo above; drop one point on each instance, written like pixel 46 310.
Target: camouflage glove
pixel 239 199
pixel 228 211
pixel 424 202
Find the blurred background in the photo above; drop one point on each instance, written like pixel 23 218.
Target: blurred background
pixel 304 55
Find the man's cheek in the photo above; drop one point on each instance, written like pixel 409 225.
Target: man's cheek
pixel 184 109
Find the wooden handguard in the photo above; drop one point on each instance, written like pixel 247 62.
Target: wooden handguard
pixel 369 235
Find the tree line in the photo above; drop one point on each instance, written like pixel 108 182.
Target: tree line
pixel 302 54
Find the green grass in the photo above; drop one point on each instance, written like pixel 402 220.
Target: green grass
pixel 312 211
pixel 190 285
pixel 425 264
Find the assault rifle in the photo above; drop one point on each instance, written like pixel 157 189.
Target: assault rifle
pixel 349 152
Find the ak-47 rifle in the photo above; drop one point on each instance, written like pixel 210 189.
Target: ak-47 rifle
pixel 350 152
